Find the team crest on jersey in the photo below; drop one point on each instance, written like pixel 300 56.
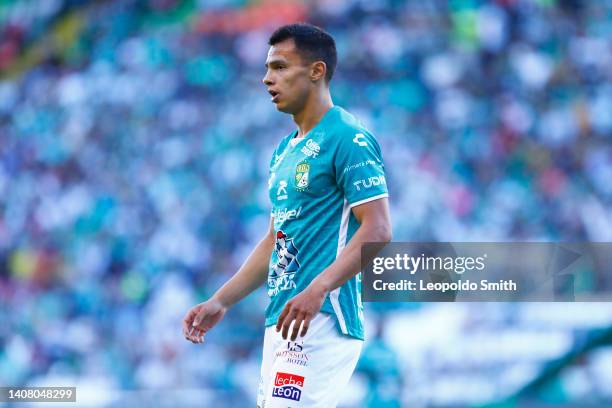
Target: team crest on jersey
pixel 286 266
pixel 302 171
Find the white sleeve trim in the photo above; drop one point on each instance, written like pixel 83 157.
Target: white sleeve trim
pixel 367 200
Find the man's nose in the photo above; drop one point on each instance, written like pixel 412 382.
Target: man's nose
pixel 266 79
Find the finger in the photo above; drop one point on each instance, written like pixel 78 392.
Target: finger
pixel 282 316
pixel 287 323
pixel 200 325
pixel 198 334
pixel 187 322
pixel 200 337
pixel 193 333
pixel 186 333
pixel 197 320
pixel 305 326
pixel 190 334
pixel 296 325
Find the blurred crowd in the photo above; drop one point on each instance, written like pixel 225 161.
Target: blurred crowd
pixel 134 142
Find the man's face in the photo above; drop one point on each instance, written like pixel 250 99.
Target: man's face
pixel 287 77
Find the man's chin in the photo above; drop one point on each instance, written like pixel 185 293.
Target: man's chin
pixel 282 108
pixel 285 108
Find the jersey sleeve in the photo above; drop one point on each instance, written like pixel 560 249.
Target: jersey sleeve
pixel 360 171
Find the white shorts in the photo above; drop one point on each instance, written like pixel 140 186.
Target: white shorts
pixel 309 372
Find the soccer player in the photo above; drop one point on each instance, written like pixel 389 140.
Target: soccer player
pixel 329 195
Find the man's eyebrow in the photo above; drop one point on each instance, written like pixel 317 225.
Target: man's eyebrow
pixel 275 62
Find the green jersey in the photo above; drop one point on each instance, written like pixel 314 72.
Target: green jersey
pixel 314 182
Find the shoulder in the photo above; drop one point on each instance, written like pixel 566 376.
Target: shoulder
pixel 346 121
pixel 349 132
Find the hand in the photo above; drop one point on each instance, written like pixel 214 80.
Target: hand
pixel 302 308
pixel 201 318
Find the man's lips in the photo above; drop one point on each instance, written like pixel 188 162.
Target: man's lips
pixel 274 95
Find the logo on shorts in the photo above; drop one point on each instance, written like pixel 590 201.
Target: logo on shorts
pixel 288 386
pixel 294 354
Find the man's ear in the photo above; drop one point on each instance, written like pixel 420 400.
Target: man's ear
pixel 317 71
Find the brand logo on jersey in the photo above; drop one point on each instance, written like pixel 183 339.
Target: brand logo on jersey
pixel 360 140
pixel 311 149
pixel 358 165
pixel 288 386
pixel 281 192
pixel 281 277
pixel 302 171
pixel 293 354
pixel 285 214
pixel 372 181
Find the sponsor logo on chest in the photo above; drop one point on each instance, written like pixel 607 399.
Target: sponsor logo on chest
pixel 311 149
pixel 284 214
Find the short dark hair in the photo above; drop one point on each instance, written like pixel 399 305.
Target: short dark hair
pixel 312 42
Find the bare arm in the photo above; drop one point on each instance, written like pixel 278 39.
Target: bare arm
pixel 375 226
pixel 252 274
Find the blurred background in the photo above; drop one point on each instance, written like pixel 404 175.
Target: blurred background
pixel 134 142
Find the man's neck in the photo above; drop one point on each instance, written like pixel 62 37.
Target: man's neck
pixel 312 113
